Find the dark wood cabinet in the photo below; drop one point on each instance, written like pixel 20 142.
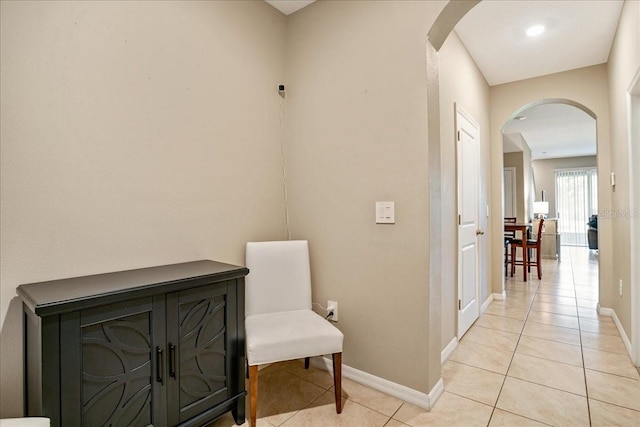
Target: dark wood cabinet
pixel 160 346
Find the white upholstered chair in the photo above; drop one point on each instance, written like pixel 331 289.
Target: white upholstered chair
pixel 279 322
pixel 25 422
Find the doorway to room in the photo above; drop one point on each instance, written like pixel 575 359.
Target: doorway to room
pixel 552 143
pixel 509 196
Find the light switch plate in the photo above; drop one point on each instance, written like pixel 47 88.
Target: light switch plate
pixel 385 213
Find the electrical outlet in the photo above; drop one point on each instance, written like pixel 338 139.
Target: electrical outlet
pixel 333 306
pixel 620 286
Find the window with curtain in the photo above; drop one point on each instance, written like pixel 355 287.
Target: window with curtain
pixel 576 201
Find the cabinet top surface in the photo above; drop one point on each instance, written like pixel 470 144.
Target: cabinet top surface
pixel 64 295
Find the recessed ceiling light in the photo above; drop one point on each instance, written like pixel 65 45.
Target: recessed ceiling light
pixel 535 30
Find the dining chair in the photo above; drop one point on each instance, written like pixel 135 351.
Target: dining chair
pixel 508 237
pixel 279 322
pixel 25 422
pixel 531 244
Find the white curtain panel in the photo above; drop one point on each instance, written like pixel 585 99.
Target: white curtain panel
pixel 576 201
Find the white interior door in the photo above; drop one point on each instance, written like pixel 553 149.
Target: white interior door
pixel 468 173
pixel 509 194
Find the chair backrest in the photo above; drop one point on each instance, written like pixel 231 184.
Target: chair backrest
pixel 510 220
pixel 279 277
pixel 538 236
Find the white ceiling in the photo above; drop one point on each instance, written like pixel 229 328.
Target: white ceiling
pixel 558 130
pixel 579 33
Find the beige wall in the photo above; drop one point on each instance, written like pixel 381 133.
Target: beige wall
pixel 624 63
pixel 133 134
pixel 546 179
pixel 357 134
pixel 462 84
pixel 586 86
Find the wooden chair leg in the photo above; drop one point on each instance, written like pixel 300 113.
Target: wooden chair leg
pixel 538 251
pixel 253 394
pixel 513 260
pixel 306 362
pixel 337 380
pixel 506 259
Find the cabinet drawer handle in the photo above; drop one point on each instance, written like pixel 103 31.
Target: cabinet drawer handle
pixel 172 360
pixel 159 365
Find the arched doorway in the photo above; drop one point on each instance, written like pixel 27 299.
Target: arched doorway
pixel 555 138
pixel 501 112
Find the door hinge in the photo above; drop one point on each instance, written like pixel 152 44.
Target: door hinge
pixel 459 304
pixel 459 219
pixel 458 135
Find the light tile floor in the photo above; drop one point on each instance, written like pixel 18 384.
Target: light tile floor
pixel 541 357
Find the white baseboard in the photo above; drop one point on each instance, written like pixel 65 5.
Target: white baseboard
pixel 602 311
pixel 435 393
pixel 453 344
pixel 486 304
pixel 609 312
pixel 404 393
pixel 500 297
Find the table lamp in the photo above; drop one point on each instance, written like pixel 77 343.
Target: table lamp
pixel 540 209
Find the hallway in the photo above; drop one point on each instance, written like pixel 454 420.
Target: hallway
pixel 541 357
pixel 544 354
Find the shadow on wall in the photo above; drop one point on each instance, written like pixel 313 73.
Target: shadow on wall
pixel 11 387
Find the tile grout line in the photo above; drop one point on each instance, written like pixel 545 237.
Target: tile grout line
pixel 572 272
pixel 495 406
pixel 392 415
pixel 572 268
pixel 584 366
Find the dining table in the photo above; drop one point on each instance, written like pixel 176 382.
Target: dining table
pixel 524 233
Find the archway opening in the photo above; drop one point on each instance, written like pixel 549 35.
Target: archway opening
pixel 443 26
pixel 550 170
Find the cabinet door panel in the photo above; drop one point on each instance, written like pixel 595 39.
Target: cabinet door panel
pixel 118 364
pixel 201 357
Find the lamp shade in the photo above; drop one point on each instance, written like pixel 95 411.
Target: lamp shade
pixel 541 208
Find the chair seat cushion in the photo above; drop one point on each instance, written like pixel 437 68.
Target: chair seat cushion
pixel 287 335
pixel 517 242
pixel 25 422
